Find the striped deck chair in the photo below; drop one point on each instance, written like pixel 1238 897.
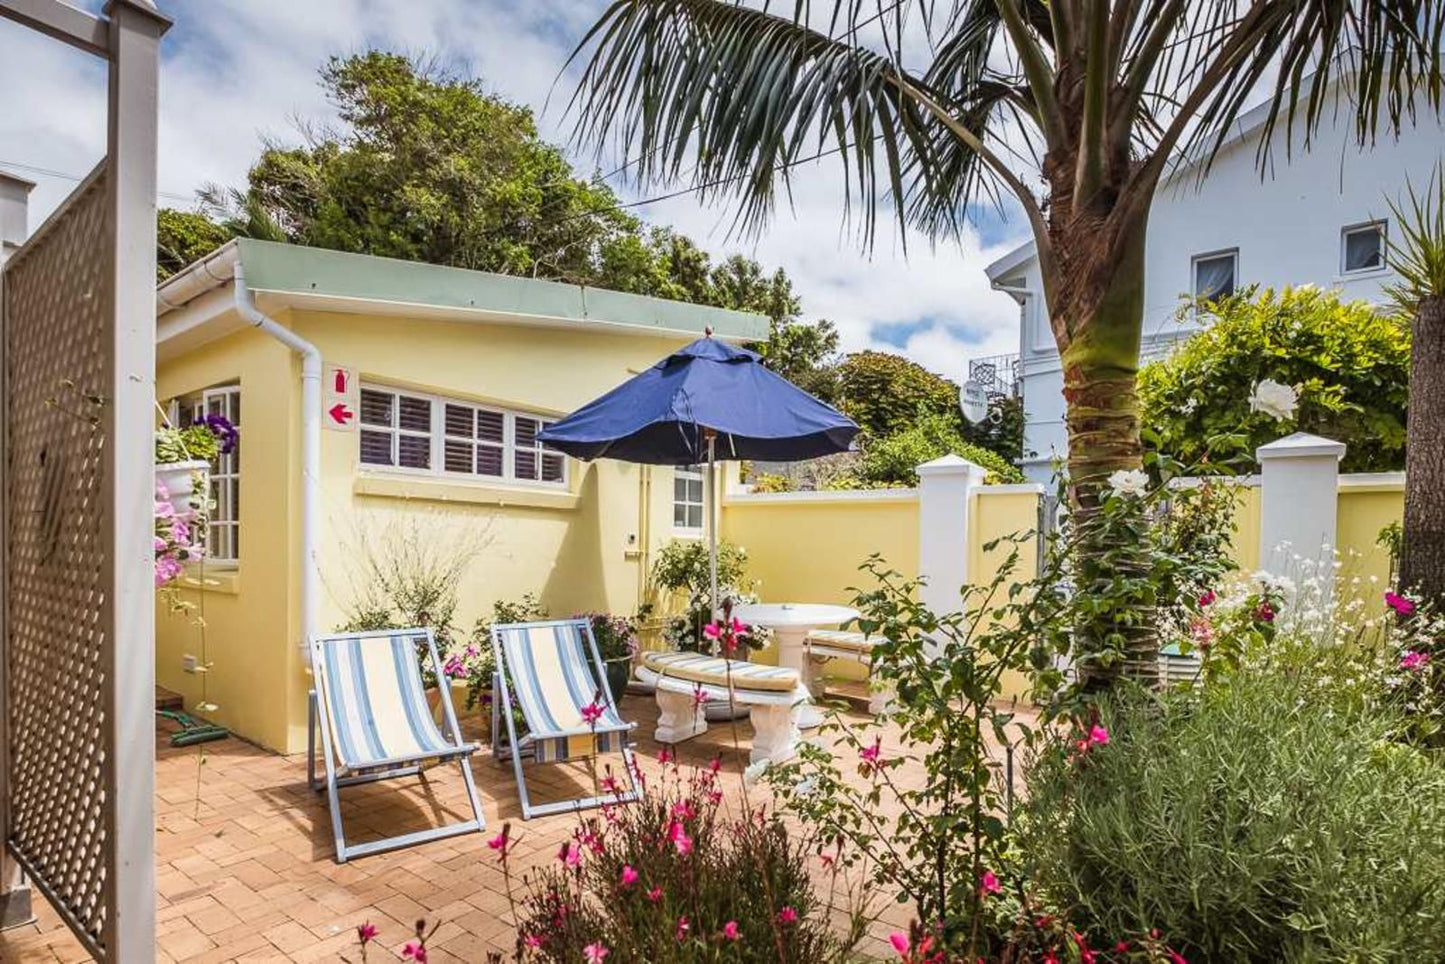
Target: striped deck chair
pixel 551 671
pixel 372 713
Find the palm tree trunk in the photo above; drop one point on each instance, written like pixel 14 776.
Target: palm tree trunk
pixel 1100 367
pixel 1422 554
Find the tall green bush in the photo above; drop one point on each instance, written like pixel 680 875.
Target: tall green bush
pixel 892 460
pixel 1261 821
pixel 1349 364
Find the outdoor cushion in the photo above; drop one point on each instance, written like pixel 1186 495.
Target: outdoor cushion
pixel 714 671
pixel 842 639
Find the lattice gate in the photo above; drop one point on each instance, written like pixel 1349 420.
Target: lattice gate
pixel 77 378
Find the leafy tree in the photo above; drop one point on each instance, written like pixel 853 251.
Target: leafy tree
pixel 1419 258
pixel 1094 101
pixel 1347 362
pixel 886 393
pixel 183 237
pixel 891 460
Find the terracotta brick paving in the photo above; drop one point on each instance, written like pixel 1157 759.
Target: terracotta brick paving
pixel 245 869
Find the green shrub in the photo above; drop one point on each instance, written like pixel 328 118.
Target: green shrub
pixel 892 460
pixel 1267 819
pixel 1349 364
pixel 675 878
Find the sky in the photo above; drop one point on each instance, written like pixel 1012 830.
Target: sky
pixel 235 73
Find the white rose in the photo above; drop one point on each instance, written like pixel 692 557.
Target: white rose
pixel 1273 399
pixel 1129 482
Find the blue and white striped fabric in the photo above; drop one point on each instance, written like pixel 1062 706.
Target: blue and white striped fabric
pixel 372 693
pixel 552 681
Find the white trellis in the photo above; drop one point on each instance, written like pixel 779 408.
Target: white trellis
pixel 77 376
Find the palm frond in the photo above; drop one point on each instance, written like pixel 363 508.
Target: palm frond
pixel 744 95
pixel 1419 256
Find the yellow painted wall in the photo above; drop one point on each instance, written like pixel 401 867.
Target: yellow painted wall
pixel 250 615
pixel 1008 516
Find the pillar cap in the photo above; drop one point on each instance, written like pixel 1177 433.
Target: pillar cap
pixel 951 465
pixel 1300 445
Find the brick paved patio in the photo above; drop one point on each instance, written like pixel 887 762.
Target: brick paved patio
pixel 245 870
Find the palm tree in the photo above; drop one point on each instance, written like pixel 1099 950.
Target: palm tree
pixel 1419 259
pixel 1073 110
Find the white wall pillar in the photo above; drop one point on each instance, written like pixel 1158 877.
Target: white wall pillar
pixel 945 489
pixel 1299 499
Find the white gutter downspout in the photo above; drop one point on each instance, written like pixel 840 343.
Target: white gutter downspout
pixel 310 447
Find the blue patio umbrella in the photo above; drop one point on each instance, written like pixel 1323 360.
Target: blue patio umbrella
pixel 706 401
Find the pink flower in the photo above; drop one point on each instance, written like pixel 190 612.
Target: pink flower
pixel 714 796
pixel 683 810
pixel 454 667
pixel 1399 603
pixel 715 765
pixel 678 835
pixel 592 712
pixel 1175 957
pixel 683 926
pixel 663 756
pixel 499 843
pixel 414 951
pixel 988 884
pixel 699 697
pixel 609 784
pixel 1207 599
pixel 1265 613
pixel 596 952
pixel 629 875
pixel 571 855
pixel 655 894
pixel 532 941
pixel 1414 661
pixel 366 932
pixel 787 916
pixel 1098 736
pixel 900 942
pixel 1201 631
pixel 1121 948
pixel 730 930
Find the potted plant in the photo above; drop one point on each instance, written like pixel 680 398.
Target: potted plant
pixel 616 638
pixel 183 456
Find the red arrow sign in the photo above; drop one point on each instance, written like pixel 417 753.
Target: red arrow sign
pixel 340 414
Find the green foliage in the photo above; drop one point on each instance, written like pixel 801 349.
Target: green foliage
pixel 886 393
pixel 479 659
pixel 183 237
pixel 1002 431
pixel 929 840
pixel 683 566
pixel 696 869
pixel 1349 364
pixel 891 460
pixel 186 444
pixel 1419 256
pixel 1266 819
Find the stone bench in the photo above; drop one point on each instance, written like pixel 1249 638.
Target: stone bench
pixel 829 644
pixel 774 696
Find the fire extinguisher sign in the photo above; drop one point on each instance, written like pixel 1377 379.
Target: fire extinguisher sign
pixel 339 402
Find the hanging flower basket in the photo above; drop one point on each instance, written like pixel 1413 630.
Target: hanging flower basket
pixel 183 491
pixel 185 483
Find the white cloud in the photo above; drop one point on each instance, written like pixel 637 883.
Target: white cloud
pixel 237 72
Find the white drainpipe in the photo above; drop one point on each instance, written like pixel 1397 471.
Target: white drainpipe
pixel 310 447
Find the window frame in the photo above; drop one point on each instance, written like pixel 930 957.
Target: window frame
pixel 439 436
pixel 224 469
pixel 1383 227
pixel 690 473
pixel 1194 262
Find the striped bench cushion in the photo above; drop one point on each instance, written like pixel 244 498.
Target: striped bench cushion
pixel 842 639
pixel 714 671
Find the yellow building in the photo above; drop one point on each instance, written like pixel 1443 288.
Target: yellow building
pixel 433 382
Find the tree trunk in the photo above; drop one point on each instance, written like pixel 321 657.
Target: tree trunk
pixel 1100 358
pixel 1422 553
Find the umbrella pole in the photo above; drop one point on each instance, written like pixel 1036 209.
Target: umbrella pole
pixel 712 517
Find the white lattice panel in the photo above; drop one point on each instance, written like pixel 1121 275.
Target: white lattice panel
pixel 57 337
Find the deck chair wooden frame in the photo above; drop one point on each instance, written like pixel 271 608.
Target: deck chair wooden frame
pixel 515 750
pixel 444 747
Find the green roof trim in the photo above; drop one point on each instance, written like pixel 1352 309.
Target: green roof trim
pixel 300 270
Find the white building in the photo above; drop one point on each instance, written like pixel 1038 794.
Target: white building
pixel 1318 217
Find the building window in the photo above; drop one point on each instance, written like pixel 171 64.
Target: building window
pixel 687 497
pixel 409 432
pixel 223 537
pixel 1362 248
pixel 1216 275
